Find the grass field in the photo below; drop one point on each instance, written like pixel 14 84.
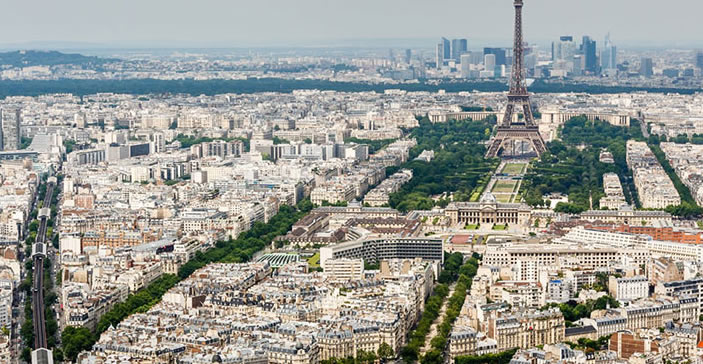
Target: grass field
pixel 514 168
pixel 475 197
pixel 504 198
pixel 314 261
pixel 471 227
pixel 504 186
pixel 499 227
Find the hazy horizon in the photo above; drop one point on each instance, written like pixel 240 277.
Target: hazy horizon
pixel 325 23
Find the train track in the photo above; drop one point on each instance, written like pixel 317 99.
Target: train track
pixel 38 256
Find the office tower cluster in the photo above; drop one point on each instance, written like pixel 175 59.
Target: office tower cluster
pixel 454 55
pixel 450 51
pixel 570 58
pixel 402 65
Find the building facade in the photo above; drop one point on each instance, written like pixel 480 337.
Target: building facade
pixel 488 211
pixel 10 129
pixel 527 329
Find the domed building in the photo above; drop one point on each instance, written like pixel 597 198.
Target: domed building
pixel 488 211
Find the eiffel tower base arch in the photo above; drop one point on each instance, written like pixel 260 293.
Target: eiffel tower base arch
pixel 506 136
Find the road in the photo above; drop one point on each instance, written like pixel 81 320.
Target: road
pixel 38 315
pixel 434 328
pixel 643 126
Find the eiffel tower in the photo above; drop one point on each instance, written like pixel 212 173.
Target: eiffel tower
pixel 508 132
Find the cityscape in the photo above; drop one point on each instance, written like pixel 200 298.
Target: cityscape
pixel 530 199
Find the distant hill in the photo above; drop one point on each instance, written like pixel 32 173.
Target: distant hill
pixel 49 58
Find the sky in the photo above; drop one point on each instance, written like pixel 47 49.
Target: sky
pixel 237 23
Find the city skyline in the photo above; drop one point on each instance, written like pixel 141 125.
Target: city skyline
pixel 215 23
pixel 332 182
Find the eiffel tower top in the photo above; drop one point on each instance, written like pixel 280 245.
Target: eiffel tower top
pixel 517 81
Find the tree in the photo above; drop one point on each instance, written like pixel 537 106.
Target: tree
pixel 685 209
pixel 606 301
pixel 26 354
pixel 75 340
pixel 277 140
pixel 499 358
pixel 569 208
pixel 58 355
pixel 433 356
pixel 25 142
pixel 571 169
pixel 458 167
pixel 68 145
pixel 363 356
pixel 385 351
pixel 681 139
pixel 27 329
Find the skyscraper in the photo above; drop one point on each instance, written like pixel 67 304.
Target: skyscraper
pixel 465 65
pixel 10 128
pixel 408 55
pixel 499 54
pixel 489 62
pixel 459 47
pixel 564 49
pixel 443 52
pixel 446 48
pixel 699 60
pixel 588 49
pixel 646 67
pixel 609 56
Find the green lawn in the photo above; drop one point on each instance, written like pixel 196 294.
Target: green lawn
pixel 504 198
pixel 499 227
pixel 514 168
pixel 314 261
pixel 471 227
pixel 504 186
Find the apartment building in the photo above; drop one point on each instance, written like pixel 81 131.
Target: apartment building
pixel 628 288
pixel 654 187
pixel 614 196
pixel 526 329
pixel 560 255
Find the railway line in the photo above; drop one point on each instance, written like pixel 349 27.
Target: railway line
pixel 39 253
